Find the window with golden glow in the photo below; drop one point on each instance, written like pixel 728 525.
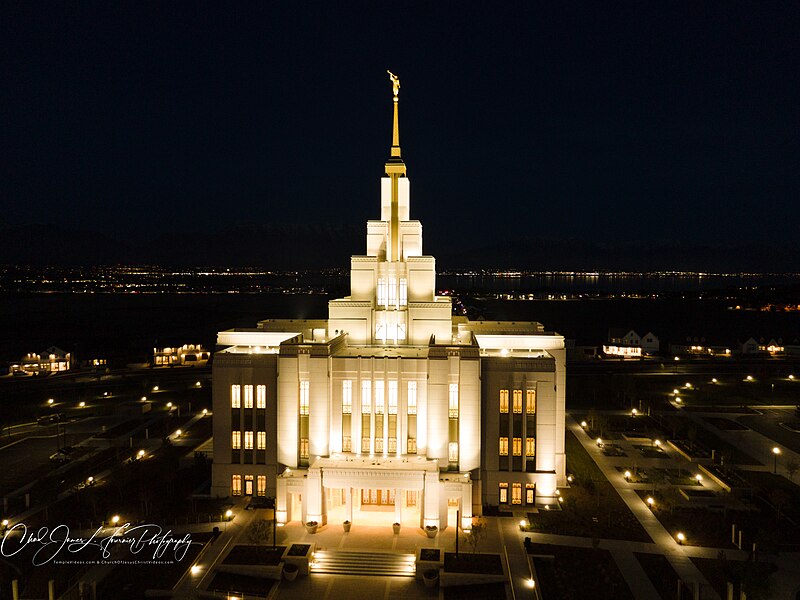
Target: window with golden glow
pixel 412 445
pixel 412 397
pixel 392 398
pixel 261 396
pixel 366 397
pixel 403 292
pixel 303 447
pixel 503 401
pixel 518 401
pixel 453 400
pixel 262 440
pixel 392 444
pixel 378 397
pixel 236 396
pixel 503 493
pixel 530 446
pixel 452 452
pixel 248 396
pixel 392 291
pixel 516 493
pixel 347 397
pixel 503 446
pixel 530 494
pixel 236 485
pixel 261 485
pixel 530 402
pixel 517 446
pixel 346 443
pixel 378 444
pixel 304 398
pixel 382 292
pixel 365 444
pixel 248 440
pixel 236 440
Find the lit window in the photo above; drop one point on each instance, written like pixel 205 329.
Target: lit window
pixel 453 401
pixel 381 292
pixel 412 397
pixel 236 485
pixel 248 396
pixel 392 292
pixel 261 396
pixel 366 398
pixel 503 446
pixel 403 292
pixel 516 493
pixel 503 401
pixel 503 493
pixel 452 452
pixel 378 397
pixel 303 447
pixel 347 397
pixel 392 399
pixel 346 443
pixel 518 401
pixel 304 398
pixel 392 444
pixel 236 397
pixel 530 402
pixel 517 446
pixel 248 440
pixel 530 494
pixel 262 440
pixel 378 444
pixel 412 445
pixel 236 440
pixel 530 446
pixel 365 444
pixel 261 485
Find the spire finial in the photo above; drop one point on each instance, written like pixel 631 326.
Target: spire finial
pixel 396 128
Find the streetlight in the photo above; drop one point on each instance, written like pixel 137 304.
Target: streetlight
pixel 678 400
pixel 228 514
pixel 531 583
pixel 698 478
pixel 675 391
pixel 155 388
pixel 140 454
pixel 634 412
pixel 775 452
pixel 688 385
pixel 681 537
pixel 169 404
pixel 749 378
pixel 791 377
pixel 627 475
pixel 599 442
pixel 650 501
pixel 178 433
pixel 198 384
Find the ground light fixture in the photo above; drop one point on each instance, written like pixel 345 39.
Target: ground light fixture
pixel 115 519
pixel 195 570
pixel 698 478
pixel 713 380
pixel 229 514
pixel 650 501
pixel 140 454
pixel 584 424
pixel 749 378
pixel 627 475
pixel 82 404
pixel 50 400
pixel 681 537
pixel 531 583
pixel 523 523
pixel 775 452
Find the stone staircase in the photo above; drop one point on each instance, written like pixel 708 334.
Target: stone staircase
pixel 382 564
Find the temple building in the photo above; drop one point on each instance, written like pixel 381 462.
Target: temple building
pixel 392 409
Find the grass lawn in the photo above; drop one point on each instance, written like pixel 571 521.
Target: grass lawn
pixel 243 554
pixel 485 564
pixel 254 587
pixel 660 572
pixel 481 591
pixel 578 573
pixel 591 507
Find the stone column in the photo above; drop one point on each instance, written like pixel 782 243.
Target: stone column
pixel 431 504
pixel 398 506
pixel 281 510
pixel 348 504
pixel 312 500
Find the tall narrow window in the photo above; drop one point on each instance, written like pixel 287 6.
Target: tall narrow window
pixel 530 493
pixel 236 485
pixel 412 397
pixel 346 443
pixel 304 398
pixel 303 447
pixel 503 493
pixel 452 452
pixel 453 401
pixel 412 445
pixel 392 398
pixel 392 444
pixel 503 401
pixel 248 440
pixel 516 493
pixel 365 444
pixel 530 402
pixel 503 446
pixel 347 397
pixel 262 440
pixel 261 485
pixel 378 444
pixel 518 401
pixel 248 396
pixel 261 396
pixel 378 397
pixel 366 397
pixel 530 446
pixel 392 292
pixel 403 292
pixel 236 440
pixel 517 443
pixel 382 292
pixel 236 396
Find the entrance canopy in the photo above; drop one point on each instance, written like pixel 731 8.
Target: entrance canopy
pixel 406 472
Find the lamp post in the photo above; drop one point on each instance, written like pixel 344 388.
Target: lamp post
pixel 775 452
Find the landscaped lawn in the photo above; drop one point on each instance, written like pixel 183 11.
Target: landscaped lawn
pixel 243 554
pixel 578 573
pixel 660 572
pixel 258 587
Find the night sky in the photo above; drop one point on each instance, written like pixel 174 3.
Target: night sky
pixel 637 121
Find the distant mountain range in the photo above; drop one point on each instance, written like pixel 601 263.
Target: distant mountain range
pixel 287 246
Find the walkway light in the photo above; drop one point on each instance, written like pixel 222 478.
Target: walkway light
pixel 698 477
pixel 687 385
pixel 775 452
pixel 195 569
pixel 531 583
pixel 584 424
pixel 144 398
pixel 675 391
pixel 650 501
pixel 155 388
pixel 178 433
pixel 198 384
pixel 82 404
pixel 713 380
pixel 681 537
pixel 657 443
pixel 50 400
pixel 140 454
pixel 4 523
pixel 678 400
pixel 599 441
pixel 634 412
pixel 228 514
pixel 791 377
pixel 749 378
pixel 115 519
pixel 523 523
pixel 169 404
pixel 205 411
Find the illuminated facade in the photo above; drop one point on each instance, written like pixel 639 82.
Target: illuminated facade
pixel 50 361
pixel 392 409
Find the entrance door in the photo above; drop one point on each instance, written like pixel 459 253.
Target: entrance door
pixel 377 497
pixel 248 485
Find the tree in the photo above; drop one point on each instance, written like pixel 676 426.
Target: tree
pixel 691 433
pixel 792 466
pixel 591 416
pixel 476 535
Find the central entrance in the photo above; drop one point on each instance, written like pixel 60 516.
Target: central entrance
pixel 377 498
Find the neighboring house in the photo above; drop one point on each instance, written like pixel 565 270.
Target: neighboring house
pixel 191 355
pixel 52 360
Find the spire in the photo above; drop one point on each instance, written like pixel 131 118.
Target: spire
pixel 395 168
pixel 395 151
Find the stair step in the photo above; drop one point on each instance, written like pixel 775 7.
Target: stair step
pixel 363 563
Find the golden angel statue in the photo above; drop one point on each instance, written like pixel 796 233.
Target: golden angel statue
pixel 395 82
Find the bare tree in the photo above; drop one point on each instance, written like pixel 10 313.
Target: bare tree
pixel 792 466
pixel 476 534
